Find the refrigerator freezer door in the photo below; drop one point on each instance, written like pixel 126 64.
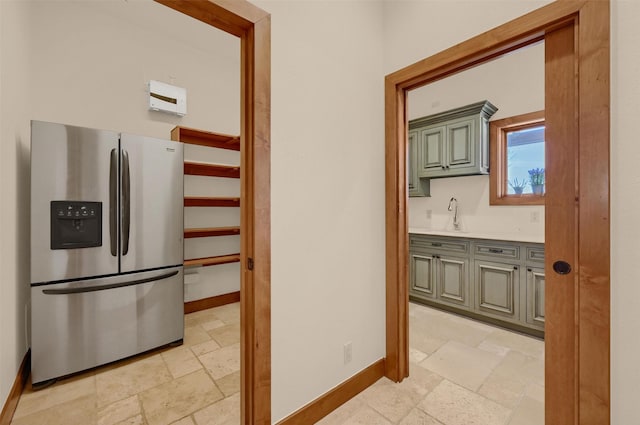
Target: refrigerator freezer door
pixel 152 203
pixel 71 169
pixel 83 324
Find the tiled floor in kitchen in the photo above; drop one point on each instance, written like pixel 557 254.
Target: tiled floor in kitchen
pixel 462 373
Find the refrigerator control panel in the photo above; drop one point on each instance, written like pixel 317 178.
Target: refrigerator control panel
pixel 76 224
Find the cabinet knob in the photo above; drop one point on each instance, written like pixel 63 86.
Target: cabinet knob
pixel 515 267
pixel 529 270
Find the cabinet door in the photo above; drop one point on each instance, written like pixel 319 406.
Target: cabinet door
pixel 412 157
pixel 453 280
pixel 460 145
pixel 416 186
pixel 421 275
pixel 497 288
pixel 535 297
pixel 431 151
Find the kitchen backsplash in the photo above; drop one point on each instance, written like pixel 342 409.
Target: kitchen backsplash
pixel 477 215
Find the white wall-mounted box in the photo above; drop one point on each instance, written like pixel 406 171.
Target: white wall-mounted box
pixel 167 98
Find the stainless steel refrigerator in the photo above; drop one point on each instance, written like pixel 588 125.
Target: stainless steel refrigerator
pixel 106 247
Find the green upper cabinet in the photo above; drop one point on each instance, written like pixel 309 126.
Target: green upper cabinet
pixel 417 186
pixel 453 143
pixel 431 149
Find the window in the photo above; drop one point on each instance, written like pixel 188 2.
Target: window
pixel 517 160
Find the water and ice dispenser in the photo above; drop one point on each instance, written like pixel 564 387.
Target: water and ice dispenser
pixel 76 224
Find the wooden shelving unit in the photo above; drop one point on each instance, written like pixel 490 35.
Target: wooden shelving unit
pixel 205 201
pixel 212 261
pixel 193 168
pixel 211 170
pixel 211 231
pixel 205 138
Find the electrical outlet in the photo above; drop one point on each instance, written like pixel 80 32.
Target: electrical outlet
pixel 428 214
pixel 535 216
pixel 347 352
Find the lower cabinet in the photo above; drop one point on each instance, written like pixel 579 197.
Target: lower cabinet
pixel 502 281
pixel 497 288
pixel 421 275
pixel 444 278
pixel 535 297
pixel 452 280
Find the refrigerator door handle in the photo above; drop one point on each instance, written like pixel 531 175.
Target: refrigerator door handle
pixel 126 202
pixel 113 202
pixel 67 291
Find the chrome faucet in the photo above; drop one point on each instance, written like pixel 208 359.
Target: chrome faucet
pixel 456 223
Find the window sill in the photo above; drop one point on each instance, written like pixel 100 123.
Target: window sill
pixel 524 199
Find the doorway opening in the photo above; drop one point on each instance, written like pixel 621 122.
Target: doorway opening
pixel 253 26
pixel 576 109
pixel 471 288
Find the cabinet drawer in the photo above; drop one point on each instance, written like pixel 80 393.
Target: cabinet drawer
pixel 451 245
pixel 497 250
pixel 535 254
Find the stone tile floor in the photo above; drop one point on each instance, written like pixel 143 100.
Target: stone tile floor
pixel 462 373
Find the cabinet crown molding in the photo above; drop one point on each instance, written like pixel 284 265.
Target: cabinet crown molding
pixel 485 108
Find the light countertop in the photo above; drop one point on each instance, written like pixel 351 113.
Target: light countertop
pixel 514 237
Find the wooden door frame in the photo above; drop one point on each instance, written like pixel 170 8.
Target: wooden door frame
pixel 253 26
pixel 588 400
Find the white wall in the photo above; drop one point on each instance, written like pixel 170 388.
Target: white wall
pixel 625 213
pixel 515 85
pixel 327 195
pixel 91 62
pixel 14 190
pixel 416 29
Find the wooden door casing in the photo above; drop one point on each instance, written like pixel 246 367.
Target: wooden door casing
pixel 577 109
pixel 253 26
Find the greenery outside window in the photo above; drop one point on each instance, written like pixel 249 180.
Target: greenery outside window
pixel 517 160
